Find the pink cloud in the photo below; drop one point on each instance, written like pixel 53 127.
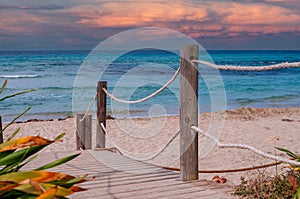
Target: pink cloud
pixel 198 20
pixel 20 23
pixel 132 13
pixel 201 19
pixel 259 14
pixel 256 30
pixel 282 1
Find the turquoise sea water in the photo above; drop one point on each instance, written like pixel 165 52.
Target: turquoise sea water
pixel 54 73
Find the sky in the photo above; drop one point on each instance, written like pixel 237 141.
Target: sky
pixel 215 24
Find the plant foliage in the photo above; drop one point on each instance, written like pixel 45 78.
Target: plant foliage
pixel 15 153
pixel 285 185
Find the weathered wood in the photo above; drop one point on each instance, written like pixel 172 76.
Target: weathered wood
pixel 88 132
pixel 188 113
pixel 1 132
pixel 79 131
pixel 101 114
pixel 112 182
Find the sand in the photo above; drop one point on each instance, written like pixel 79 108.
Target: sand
pixel 142 138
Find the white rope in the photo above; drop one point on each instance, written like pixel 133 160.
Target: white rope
pixel 89 108
pixel 250 68
pixel 104 129
pixel 145 98
pixel 140 159
pixel 244 146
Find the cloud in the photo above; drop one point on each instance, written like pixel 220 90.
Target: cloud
pixel 281 1
pixel 80 21
pixel 134 14
pixel 259 14
pixel 21 23
pixel 30 7
pixel 201 19
pixel 232 19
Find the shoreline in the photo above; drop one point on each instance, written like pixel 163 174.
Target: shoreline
pixel 38 117
pixel 263 128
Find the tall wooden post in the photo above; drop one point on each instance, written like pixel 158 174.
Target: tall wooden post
pixel 1 132
pixel 79 131
pixel 101 114
pixel 188 113
pixel 88 132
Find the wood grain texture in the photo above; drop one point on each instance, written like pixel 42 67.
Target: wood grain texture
pixel 88 131
pixel 188 113
pixel 79 131
pixel 101 114
pixel 121 177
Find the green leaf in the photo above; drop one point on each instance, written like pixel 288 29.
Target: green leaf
pixel 7 186
pixel 20 115
pixel 76 180
pixel 57 162
pixel 9 167
pixel 27 196
pixel 9 138
pixel 23 164
pixel 61 191
pixel 18 93
pixel 35 176
pixel 17 195
pixel 5 153
pixel 3 86
pixel 15 166
pixel 14 194
pixel 59 136
pixel 297 195
pixel 291 154
pixel 20 155
pixel 69 183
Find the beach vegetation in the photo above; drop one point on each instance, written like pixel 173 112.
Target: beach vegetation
pixel 284 185
pixel 16 153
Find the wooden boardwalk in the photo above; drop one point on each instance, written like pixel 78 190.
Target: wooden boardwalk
pixel 121 177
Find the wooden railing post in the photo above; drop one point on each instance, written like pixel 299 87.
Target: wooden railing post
pixel 188 113
pixel 79 131
pixel 101 114
pixel 88 132
pixel 1 132
pixel 83 131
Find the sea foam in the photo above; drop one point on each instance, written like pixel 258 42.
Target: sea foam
pixel 18 76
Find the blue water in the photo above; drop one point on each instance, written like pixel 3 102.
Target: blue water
pixel 54 73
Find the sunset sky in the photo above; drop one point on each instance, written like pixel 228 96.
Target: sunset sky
pixel 216 24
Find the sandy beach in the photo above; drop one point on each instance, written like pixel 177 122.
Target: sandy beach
pixel 142 138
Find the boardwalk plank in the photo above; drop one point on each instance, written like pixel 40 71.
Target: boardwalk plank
pixel 121 177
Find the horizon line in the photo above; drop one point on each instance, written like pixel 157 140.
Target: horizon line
pixel 28 50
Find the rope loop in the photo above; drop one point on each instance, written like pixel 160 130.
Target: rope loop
pixel 140 159
pixel 245 146
pixel 145 98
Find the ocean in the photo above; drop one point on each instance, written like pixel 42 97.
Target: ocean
pixel 54 74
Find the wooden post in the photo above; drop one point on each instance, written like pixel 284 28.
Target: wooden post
pixel 79 131
pixel 1 132
pixel 188 113
pixel 88 132
pixel 101 114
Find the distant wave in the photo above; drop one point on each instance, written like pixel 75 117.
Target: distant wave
pixel 18 76
pixel 56 88
pixel 266 100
